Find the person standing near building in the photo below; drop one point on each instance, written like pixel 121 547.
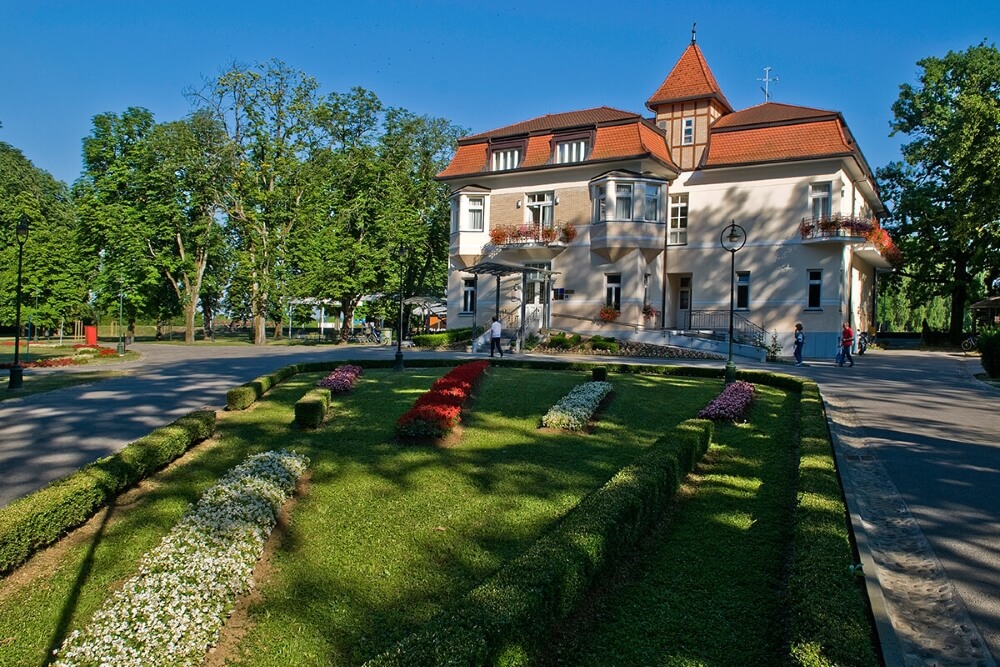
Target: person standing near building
pixel 800 340
pixel 495 330
pixel 846 341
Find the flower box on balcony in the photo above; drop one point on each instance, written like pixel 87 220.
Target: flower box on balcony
pixel 608 313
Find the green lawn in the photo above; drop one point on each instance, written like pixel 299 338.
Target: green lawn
pixel 384 536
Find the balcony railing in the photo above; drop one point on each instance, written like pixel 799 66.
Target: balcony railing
pixel 836 226
pixel 532 234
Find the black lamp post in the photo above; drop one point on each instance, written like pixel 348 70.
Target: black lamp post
pixel 16 372
pixel 733 238
pixel 398 364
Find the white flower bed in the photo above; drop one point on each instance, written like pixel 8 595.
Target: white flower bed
pixel 171 612
pixel 575 408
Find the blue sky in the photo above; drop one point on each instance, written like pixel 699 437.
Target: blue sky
pixel 479 64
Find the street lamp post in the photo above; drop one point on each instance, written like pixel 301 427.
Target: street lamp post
pixel 398 364
pixel 16 372
pixel 121 307
pixel 732 239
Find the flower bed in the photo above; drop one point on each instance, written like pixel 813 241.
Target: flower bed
pixel 84 353
pixel 730 405
pixel 437 411
pixel 574 410
pixel 341 380
pixel 172 611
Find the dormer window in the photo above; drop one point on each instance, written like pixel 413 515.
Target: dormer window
pixel 506 158
pixel 687 132
pixel 572 151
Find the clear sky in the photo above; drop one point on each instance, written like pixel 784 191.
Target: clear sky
pixel 481 65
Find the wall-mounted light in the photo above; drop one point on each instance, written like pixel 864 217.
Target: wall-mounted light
pixel 557 200
pixel 518 204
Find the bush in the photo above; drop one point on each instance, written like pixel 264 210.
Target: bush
pixel 310 410
pixel 989 347
pixel 604 344
pixel 245 395
pixel 506 619
pixel 443 338
pixel 42 517
pixel 599 373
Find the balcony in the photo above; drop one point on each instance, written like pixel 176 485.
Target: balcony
pixel 531 241
pixel 873 242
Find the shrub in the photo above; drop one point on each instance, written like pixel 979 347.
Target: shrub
pixel 40 518
pixel 604 344
pixel 310 410
pixel 599 373
pixel 989 347
pixel 245 395
pixel 504 620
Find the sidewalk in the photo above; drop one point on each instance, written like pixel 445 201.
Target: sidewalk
pixel 916 441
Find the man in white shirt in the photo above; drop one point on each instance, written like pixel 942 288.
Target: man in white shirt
pixel 495 330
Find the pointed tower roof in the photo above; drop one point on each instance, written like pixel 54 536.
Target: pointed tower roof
pixel 690 79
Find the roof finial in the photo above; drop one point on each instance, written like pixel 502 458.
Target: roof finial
pixel 694 35
pixel 767 80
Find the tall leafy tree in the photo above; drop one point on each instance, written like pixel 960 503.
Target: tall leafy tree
pixel 53 285
pixel 268 113
pixel 945 193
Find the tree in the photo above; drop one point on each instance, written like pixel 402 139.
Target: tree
pixel 268 114
pixel 945 193
pixel 53 287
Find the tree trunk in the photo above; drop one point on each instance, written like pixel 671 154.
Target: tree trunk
pixel 190 309
pixel 959 294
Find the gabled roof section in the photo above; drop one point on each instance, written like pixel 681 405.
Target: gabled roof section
pixel 556 121
pixel 760 143
pixel 690 79
pixel 771 113
pixel 616 135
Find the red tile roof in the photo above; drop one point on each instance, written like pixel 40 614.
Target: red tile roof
pixel 690 79
pixel 557 121
pixel 798 141
pixel 771 113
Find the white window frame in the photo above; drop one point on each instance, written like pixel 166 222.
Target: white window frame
pixel 651 204
pixel 742 290
pixel 821 199
pixel 540 209
pixel 678 225
pixel 687 131
pixel 575 150
pixel 468 296
pixel 814 279
pixel 613 290
pixel 475 205
pixel 505 159
pixel 624 192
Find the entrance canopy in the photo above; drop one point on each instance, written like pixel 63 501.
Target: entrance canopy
pixel 499 269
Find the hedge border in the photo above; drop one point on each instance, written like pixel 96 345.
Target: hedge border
pixel 311 409
pixel 42 517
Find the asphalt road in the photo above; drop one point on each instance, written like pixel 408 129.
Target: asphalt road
pixel 918 441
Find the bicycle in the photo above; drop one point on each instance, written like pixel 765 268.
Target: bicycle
pixel 970 344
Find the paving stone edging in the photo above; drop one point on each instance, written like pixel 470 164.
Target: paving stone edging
pixel 920 618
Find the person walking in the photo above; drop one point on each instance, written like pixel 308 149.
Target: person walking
pixel 495 331
pixel 800 340
pixel 846 341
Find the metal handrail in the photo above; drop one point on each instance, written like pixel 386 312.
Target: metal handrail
pixel 744 330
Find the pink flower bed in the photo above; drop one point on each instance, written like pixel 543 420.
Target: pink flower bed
pixel 439 410
pixel 341 380
pixel 731 405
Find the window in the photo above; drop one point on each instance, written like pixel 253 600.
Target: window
pixel 687 134
pixel 454 214
pixel 540 210
pixel 651 210
pixel 508 158
pixel 815 287
pixel 600 203
pixel 474 221
pixel 572 151
pixel 623 201
pixel 819 200
pixel 613 290
pixel 743 290
pixel 468 295
pixel 678 220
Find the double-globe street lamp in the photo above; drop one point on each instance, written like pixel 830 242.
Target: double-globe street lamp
pixel 16 372
pixel 398 363
pixel 732 239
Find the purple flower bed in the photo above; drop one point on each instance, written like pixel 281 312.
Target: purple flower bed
pixel 341 380
pixel 731 405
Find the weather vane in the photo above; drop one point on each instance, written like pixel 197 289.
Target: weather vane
pixel 767 80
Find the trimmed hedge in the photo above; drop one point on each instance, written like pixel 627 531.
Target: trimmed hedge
pixel 42 517
pixel 989 348
pixel 505 620
pixel 311 409
pixel 443 338
pixel 245 395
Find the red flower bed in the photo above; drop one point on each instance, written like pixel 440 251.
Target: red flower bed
pixel 437 411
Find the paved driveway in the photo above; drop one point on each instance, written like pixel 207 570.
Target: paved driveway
pixel 917 438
